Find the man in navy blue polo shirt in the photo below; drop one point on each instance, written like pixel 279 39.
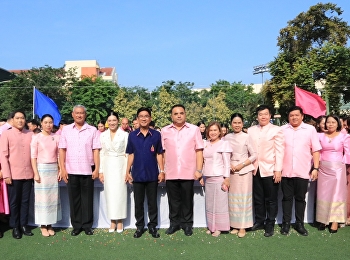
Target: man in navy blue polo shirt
pixel 145 155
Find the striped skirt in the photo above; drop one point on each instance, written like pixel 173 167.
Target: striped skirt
pixel 216 205
pixel 4 200
pixel 331 193
pixel 240 200
pixel 47 196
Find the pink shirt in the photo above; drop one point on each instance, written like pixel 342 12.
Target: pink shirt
pixel 5 127
pixel 15 154
pixel 217 159
pixel 180 151
pixel 45 148
pixel 299 144
pixel 336 149
pixel 79 144
pixel 268 142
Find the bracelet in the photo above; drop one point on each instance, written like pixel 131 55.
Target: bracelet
pixel 162 171
pixel 315 169
pixel 200 171
pixel 243 164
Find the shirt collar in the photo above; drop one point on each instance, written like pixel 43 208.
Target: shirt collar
pixel 139 132
pixel 173 126
pixel 302 125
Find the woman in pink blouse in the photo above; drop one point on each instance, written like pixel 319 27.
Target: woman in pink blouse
pixel 44 152
pixel 331 186
pixel 216 170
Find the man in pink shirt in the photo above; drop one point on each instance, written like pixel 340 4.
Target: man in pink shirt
pixel 183 147
pixel 301 146
pixel 17 172
pixel 79 157
pixel 268 141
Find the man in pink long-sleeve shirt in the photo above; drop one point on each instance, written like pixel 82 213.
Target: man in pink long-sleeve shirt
pixel 301 146
pixel 79 156
pixel 17 172
pixel 183 147
pixel 268 141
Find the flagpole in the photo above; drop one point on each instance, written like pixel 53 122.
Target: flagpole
pixel 33 100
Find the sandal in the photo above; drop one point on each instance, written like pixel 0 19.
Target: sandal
pixel 241 233
pixel 234 231
pixel 208 232
pixel 44 232
pixel 51 231
pixel 216 233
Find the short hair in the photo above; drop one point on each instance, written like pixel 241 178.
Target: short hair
pixel 200 123
pixel 79 106
pixel 10 116
pixel 318 122
pixel 210 125
pixel 263 107
pixel 63 122
pixel 336 119
pixel 44 116
pixel 152 124
pixel 37 131
pixel 144 109
pixel 237 115
pixel 103 122
pixel 18 111
pixel 177 105
pixel 34 122
pixel 293 108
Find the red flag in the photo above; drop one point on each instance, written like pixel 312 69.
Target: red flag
pixel 311 103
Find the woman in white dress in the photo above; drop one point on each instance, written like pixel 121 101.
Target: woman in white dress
pixel 112 171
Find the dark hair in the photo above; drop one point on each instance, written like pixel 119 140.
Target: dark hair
pixel 43 117
pixel 37 130
pixel 34 122
pixel 336 119
pixel 200 123
pixel 210 125
pixel 111 113
pixel 318 122
pixel 177 105
pixel 263 107
pixel 63 122
pixel 152 124
pixel 293 108
pixel 10 115
pixel 224 125
pixel 236 115
pixel 143 109
pixel 17 111
pixel 101 122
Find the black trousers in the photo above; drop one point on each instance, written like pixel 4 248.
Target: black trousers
pixel 149 189
pixel 294 188
pixel 81 197
pixel 19 195
pixel 265 193
pixel 180 199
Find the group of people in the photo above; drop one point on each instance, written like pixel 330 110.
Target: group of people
pixel 241 172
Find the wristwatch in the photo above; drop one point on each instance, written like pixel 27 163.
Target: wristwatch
pixel 200 171
pixel 315 169
pixel 162 171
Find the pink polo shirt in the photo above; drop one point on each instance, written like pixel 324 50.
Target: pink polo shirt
pixel 79 144
pixel 299 144
pixel 15 154
pixel 180 151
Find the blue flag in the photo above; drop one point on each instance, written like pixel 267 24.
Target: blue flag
pixel 45 105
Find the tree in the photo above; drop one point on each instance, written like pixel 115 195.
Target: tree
pixel 161 109
pixel 313 41
pixel 96 94
pixel 216 109
pixel 126 107
pixel 18 93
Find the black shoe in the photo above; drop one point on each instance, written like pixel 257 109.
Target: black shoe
pixel 299 227
pixel 285 228
pixel 257 226
pixel 188 231
pixel 16 233
pixel 321 227
pixel 1 234
pixel 269 231
pixel 172 230
pixel 333 231
pixel 75 232
pixel 26 231
pixel 138 233
pixel 89 231
pixel 154 232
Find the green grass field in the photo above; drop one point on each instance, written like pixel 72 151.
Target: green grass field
pixel 104 245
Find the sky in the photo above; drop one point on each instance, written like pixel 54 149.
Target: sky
pixel 150 41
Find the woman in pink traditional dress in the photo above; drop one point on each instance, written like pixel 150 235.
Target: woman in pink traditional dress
pixel 44 153
pixel 4 202
pixel 331 186
pixel 216 170
pixel 241 179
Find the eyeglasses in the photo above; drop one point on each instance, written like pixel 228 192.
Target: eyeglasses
pixel 143 117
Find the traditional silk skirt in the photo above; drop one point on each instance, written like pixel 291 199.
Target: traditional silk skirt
pixel 47 196
pixel 240 200
pixel 216 205
pixel 4 201
pixel 331 193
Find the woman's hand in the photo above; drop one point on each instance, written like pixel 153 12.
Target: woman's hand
pixel 37 177
pixel 101 177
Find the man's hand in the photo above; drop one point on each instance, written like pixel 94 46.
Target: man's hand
pixel 277 176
